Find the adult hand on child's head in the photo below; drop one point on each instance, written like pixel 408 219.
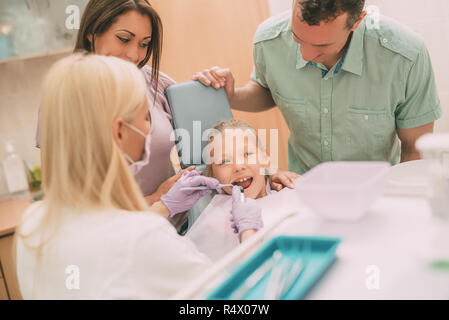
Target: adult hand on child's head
pixel 217 77
pixel 177 200
pixel 282 179
pixel 245 215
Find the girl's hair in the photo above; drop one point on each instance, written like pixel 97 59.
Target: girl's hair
pixel 99 15
pixel 221 126
pixel 82 166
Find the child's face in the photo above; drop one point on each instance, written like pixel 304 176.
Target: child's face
pixel 241 163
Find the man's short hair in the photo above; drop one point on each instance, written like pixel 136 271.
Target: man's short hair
pixel 315 11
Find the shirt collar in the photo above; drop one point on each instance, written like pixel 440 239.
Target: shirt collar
pixel 300 62
pixel 353 60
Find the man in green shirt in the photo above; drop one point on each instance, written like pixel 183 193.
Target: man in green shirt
pixel 349 88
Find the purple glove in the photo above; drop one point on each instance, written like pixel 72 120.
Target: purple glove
pixel 245 215
pixel 178 201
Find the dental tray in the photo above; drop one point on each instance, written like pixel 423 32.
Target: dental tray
pixel 302 260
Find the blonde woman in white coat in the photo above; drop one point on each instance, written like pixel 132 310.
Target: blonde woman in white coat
pixel 93 236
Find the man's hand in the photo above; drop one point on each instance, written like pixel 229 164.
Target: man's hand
pixel 252 97
pixel 217 77
pixel 408 139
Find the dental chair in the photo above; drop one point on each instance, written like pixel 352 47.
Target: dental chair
pixel 195 108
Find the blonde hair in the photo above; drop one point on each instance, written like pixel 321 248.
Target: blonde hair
pixel 221 126
pixel 82 166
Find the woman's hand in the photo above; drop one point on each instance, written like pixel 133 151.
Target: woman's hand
pixel 282 179
pixel 246 216
pixel 167 185
pixel 177 200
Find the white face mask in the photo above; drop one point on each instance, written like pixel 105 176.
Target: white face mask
pixel 136 166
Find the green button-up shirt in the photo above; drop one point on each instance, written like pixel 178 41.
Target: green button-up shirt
pixel 351 112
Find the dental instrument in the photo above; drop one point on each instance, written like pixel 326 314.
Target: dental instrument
pixel 285 274
pixel 255 278
pixel 275 277
pixel 242 194
pixel 205 187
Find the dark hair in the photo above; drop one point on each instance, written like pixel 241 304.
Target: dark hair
pixel 315 11
pixel 99 15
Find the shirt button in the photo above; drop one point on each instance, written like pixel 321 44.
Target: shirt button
pixel 384 40
pixel 366 117
pixel 326 143
pixel 326 110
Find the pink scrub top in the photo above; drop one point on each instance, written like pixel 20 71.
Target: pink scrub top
pixel 159 167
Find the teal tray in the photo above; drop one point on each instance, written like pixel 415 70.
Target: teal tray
pixel 316 254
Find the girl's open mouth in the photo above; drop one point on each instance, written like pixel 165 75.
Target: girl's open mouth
pixel 243 182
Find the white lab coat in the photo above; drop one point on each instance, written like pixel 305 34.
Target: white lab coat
pixel 107 255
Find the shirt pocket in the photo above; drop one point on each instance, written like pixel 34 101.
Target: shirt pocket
pixel 368 129
pixel 294 111
pixel 370 118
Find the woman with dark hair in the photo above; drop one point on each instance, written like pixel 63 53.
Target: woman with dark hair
pixel 132 30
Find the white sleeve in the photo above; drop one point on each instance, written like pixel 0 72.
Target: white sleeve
pixel 164 262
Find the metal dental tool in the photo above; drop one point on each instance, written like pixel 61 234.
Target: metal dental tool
pixel 256 276
pixel 242 194
pixel 205 187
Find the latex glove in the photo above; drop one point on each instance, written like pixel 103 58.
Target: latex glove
pixel 244 215
pixel 178 201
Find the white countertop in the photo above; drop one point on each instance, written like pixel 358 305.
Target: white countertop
pixel 397 237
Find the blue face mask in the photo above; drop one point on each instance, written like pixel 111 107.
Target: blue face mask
pixel 136 166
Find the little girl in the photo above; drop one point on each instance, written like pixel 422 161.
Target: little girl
pixel 234 155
